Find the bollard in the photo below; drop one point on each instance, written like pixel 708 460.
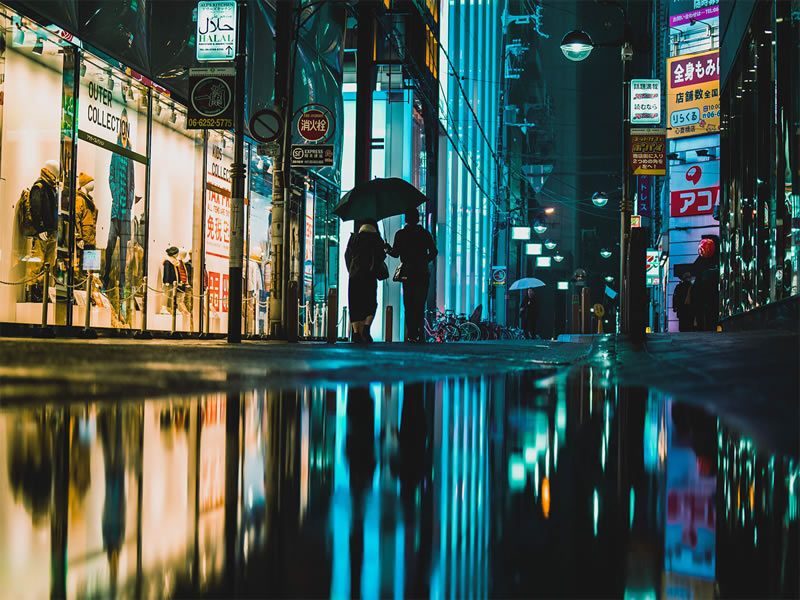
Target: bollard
pixel 175 333
pixel 88 322
pixel 208 313
pixel 293 307
pixel 333 308
pixel 143 334
pixel 88 332
pixel 45 294
pixel 387 324
pixel 586 315
pixel 323 322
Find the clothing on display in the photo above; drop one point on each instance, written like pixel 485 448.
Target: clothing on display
pixel 177 278
pixel 121 184
pixel 85 213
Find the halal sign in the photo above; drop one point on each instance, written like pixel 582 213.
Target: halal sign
pixel 313 125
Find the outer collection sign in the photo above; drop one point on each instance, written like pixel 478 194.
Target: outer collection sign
pixel 645 101
pixel 211 98
pixel 216 30
pixel 648 151
pixel 694 189
pixel 693 94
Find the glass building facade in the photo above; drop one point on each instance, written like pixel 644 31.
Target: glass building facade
pixel 470 36
pixel 760 203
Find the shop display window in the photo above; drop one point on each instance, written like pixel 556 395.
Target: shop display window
pixel 175 228
pixel 259 266
pixel 110 203
pixel 31 87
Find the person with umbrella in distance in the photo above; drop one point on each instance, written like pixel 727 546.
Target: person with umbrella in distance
pixel 364 258
pixel 416 248
pixel 528 306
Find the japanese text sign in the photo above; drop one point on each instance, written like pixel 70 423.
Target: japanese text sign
pixel 694 189
pixel 682 12
pixel 693 94
pixel 645 101
pixel 648 151
pixel 651 267
pixel 644 193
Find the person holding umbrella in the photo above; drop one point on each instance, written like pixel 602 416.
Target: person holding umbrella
pixel 416 248
pixel 528 306
pixel 529 313
pixel 364 258
pixel 366 204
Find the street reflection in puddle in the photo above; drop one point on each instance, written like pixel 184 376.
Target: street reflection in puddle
pixel 523 485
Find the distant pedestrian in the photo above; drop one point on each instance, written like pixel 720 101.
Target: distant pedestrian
pixel 682 303
pixel 705 297
pixel 364 258
pixel 416 248
pixel 529 313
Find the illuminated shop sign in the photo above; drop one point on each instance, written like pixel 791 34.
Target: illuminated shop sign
pixel 693 94
pixel 645 101
pixel 694 189
pixel 216 30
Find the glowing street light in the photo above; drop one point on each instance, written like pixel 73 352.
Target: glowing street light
pixel 539 227
pixel 605 252
pixel 550 244
pixel 558 257
pixel 576 45
pixel 600 199
pixel 549 210
pixel 609 278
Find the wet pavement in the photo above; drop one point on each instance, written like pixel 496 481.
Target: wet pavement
pixel 521 481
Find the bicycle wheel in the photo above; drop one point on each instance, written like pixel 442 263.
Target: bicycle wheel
pixel 469 332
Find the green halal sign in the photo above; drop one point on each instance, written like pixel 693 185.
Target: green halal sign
pixel 216 30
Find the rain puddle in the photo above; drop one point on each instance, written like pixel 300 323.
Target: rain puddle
pixel 507 486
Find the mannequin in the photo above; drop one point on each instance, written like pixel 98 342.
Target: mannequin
pixel 255 285
pixel 43 199
pixel 85 217
pixel 175 278
pixel 186 305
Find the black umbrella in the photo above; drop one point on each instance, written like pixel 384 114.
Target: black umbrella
pixel 378 199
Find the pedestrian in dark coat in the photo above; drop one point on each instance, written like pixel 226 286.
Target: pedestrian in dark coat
pixel 682 303
pixel 529 313
pixel 416 248
pixel 363 256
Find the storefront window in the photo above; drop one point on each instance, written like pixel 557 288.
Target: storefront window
pixel 110 206
pixel 258 267
pixel 33 231
pixel 175 232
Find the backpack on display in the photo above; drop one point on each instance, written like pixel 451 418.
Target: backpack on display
pixel 26 225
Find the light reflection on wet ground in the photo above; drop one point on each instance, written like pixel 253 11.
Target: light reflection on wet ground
pixel 525 485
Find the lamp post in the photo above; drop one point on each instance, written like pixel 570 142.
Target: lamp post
pixel 576 46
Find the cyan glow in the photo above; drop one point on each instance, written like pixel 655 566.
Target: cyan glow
pixel 596 499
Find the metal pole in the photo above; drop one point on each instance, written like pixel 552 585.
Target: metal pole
pixel 626 204
pixel 88 322
pixel 45 293
pixel 238 170
pixel 208 312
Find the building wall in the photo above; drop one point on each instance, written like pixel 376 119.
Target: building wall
pixel 470 40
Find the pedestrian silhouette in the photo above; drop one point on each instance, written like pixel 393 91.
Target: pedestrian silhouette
pixel 364 258
pixel 415 247
pixel 682 303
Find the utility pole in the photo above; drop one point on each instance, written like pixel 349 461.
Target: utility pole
pixel 281 171
pixel 366 76
pixel 238 179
